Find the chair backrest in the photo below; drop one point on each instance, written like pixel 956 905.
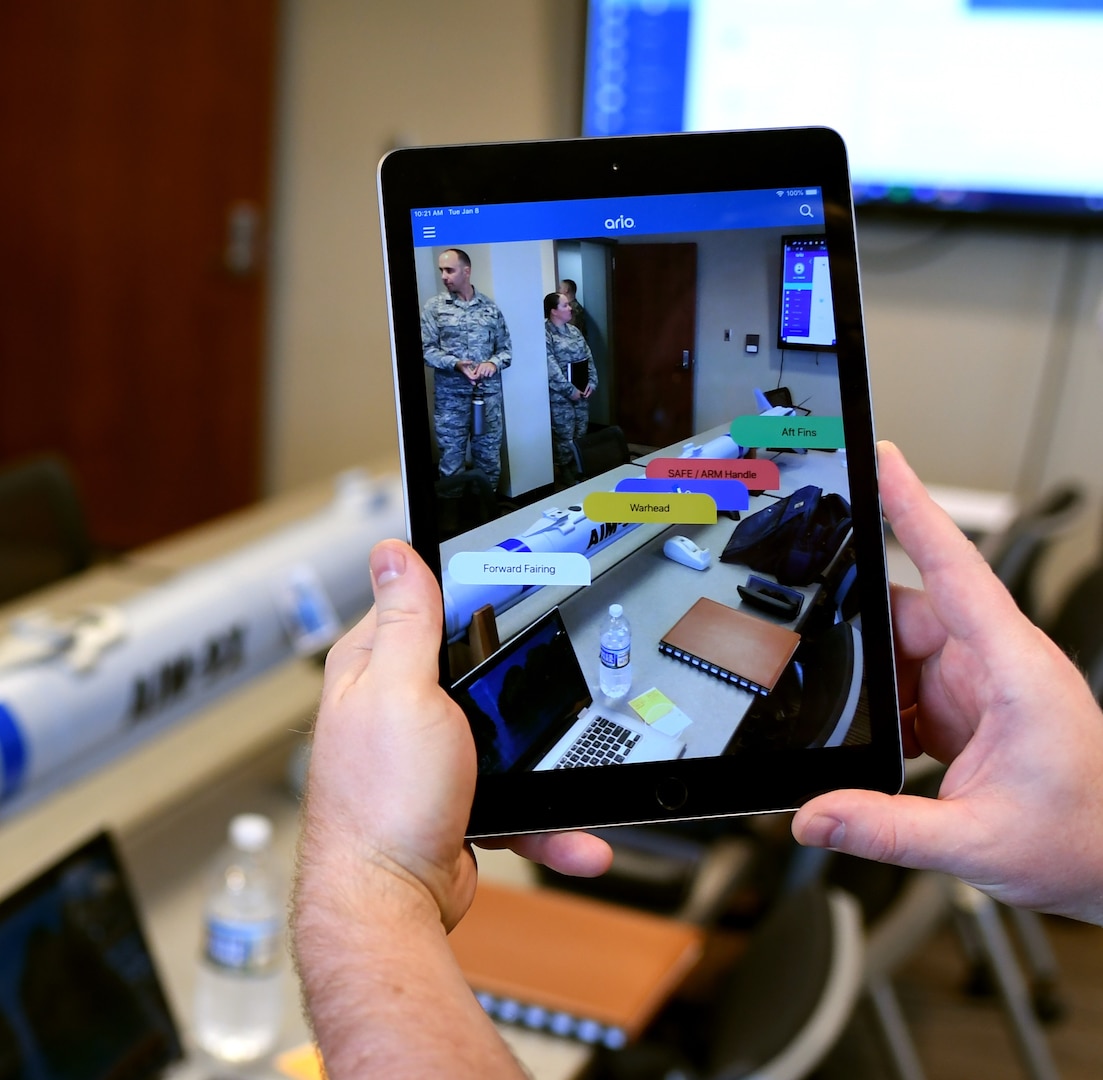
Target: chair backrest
pixel 817 700
pixel 1015 554
pixel 43 536
pixel 600 450
pixel 1078 627
pixel 833 675
pixel 791 994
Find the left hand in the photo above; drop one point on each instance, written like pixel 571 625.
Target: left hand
pixel 392 772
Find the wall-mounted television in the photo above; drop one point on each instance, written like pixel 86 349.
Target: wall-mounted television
pixel 965 107
pixel 806 318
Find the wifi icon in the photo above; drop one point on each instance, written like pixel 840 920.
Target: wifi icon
pixel 780 193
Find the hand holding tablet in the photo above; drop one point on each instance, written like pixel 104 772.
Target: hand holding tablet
pixel 680 246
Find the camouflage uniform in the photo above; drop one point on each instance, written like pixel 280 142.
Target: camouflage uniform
pixel 568 418
pixel 452 330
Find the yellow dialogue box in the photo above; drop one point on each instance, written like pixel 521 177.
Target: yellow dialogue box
pixel 795 432
pixel 668 508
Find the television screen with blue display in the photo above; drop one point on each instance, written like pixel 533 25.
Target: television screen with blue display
pixel 965 107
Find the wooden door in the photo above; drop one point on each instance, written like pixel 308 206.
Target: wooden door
pixel 133 197
pixel 654 341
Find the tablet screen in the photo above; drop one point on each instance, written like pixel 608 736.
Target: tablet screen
pixel 640 444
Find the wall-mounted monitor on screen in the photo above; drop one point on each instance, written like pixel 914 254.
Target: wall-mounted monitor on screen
pixel 805 315
pixel 969 107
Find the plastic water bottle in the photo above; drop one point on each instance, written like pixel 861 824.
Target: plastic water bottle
pixel 616 654
pixel 239 986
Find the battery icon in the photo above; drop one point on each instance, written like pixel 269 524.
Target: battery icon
pixel 811 191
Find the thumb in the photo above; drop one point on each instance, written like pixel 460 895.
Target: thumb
pixel 906 830
pixel 408 614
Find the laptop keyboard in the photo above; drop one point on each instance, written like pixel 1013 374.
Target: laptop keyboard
pixel 602 742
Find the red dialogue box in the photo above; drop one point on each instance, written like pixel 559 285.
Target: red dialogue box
pixel 757 475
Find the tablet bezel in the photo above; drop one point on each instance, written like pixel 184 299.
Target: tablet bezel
pixel 751 781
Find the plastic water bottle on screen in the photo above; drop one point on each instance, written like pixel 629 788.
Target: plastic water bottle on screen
pixel 239 985
pixel 616 654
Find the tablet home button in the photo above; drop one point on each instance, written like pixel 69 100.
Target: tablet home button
pixel 671 793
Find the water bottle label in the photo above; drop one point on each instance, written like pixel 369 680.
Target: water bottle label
pixel 616 658
pixel 251 947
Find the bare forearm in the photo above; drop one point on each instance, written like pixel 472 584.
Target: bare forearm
pixel 383 991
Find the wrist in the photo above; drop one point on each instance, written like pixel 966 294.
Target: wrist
pixel 374 961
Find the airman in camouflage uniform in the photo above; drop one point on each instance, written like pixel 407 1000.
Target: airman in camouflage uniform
pixel 466 343
pixel 578 313
pixel 570 410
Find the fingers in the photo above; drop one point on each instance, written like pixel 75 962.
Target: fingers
pixel 905 830
pixel 963 593
pixel 924 529
pixel 402 632
pixel 408 614
pixel 577 854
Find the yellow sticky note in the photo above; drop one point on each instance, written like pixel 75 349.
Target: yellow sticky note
pixel 660 712
pixel 652 705
pixel 302 1063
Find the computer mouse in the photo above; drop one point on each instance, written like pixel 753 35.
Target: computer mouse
pixel 681 549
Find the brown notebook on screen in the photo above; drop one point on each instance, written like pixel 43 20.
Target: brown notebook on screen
pixel 742 649
pixel 570 965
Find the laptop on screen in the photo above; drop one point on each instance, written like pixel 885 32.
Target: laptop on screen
pixel 530 708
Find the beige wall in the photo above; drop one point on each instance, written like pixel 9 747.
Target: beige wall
pixel 987 364
pixel 987 369
pixel 359 77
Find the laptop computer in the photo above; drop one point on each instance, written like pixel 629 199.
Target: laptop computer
pixel 530 709
pixel 80 995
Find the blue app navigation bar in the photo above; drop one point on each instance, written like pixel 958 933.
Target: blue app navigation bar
pixel 642 215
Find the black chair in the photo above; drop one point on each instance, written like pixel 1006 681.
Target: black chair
pixel 901 910
pixel 599 451
pixel 1015 554
pixel 43 535
pixel 1077 627
pixel 783 396
pixel 817 700
pixel 777 1012
pixel 685 869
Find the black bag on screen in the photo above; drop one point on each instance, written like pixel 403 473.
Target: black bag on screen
pixel 794 539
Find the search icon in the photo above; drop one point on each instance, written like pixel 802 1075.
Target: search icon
pixel 805 210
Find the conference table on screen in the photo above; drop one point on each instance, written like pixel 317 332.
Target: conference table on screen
pixel 655 591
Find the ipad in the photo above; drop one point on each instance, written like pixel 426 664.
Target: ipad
pixel 633 397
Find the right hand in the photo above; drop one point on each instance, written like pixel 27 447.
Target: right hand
pixel 1020 810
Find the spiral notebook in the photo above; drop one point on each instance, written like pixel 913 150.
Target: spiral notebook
pixel 730 645
pixel 569 965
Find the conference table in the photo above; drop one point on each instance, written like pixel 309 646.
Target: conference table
pixel 655 592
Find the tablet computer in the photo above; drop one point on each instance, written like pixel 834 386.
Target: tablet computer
pixel 631 381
